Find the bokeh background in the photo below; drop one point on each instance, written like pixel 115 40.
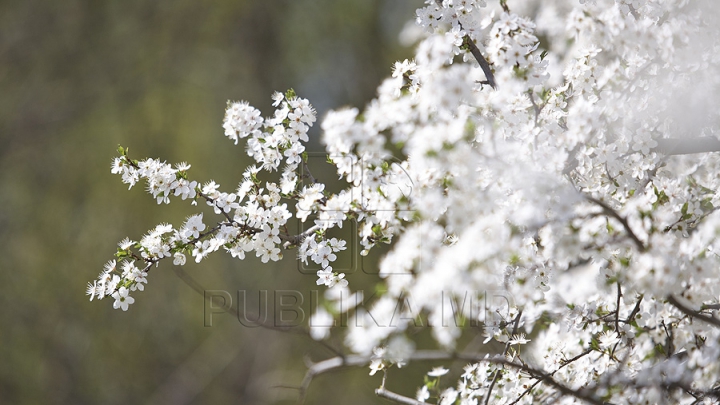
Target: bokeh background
pixel 80 77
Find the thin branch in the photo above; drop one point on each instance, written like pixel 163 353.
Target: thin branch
pixel 335 363
pixel 327 366
pixel 634 12
pixel 214 204
pixel 503 4
pixel 617 309
pixel 290 240
pixel 507 347
pixel 537 109
pixel 307 173
pixel 198 288
pixel 635 310
pixel 530 388
pixel 572 161
pixel 713 393
pixel 297 239
pixel 382 392
pixel 696 222
pixel 475 51
pixel 584 395
pixel 484 65
pixel 670 349
pixel 339 362
pixel 692 313
pixel 614 214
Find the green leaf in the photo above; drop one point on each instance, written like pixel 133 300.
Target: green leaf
pixel 660 350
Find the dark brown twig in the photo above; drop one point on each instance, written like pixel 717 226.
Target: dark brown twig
pixel 691 312
pixel 614 214
pixel 617 309
pixel 535 384
pixel 547 378
pixel 496 376
pixel 475 51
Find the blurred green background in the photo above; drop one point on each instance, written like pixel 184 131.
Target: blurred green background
pixel 79 77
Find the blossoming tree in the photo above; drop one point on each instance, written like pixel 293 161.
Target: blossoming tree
pixel 546 151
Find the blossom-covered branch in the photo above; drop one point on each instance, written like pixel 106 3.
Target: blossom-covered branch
pixel 561 215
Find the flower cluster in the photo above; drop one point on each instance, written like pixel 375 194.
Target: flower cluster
pixel 252 219
pixel 270 141
pixel 162 180
pixel 118 283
